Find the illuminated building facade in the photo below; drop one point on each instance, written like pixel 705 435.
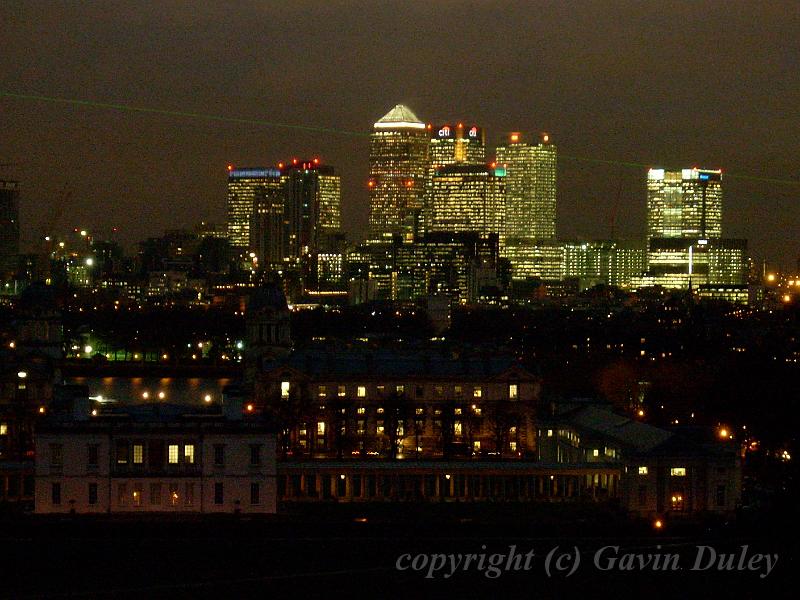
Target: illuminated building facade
pixel 468 198
pixel 460 266
pixel 398 168
pixel 609 262
pixel 147 458
pixel 675 262
pixel 684 232
pixel 403 404
pixel 244 185
pixel 685 203
pixel 451 145
pixel 532 259
pixel 9 227
pixel 530 188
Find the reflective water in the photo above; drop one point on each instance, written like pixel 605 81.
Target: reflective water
pixel 176 390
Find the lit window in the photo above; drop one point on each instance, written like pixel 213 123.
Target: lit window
pixel 457 427
pixel 188 453
pixel 419 411
pixel 512 446
pixel 380 410
pixel 678 471
pixel 3 429
pixel 439 390
pixel 513 391
pixel 321 428
pixel 361 410
pixel 137 496
pixel 342 391
pixel 477 392
pixel 173 454
pixel 549 433
pixel 322 391
pixel 362 391
pixel 642 470
pixel 284 389
pixel 400 389
pixel 476 446
pixel 457 411
pixel 595 452
pixel 457 390
pixel 379 429
pixel 138 454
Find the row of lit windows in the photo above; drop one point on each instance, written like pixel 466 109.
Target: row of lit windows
pixel 361 390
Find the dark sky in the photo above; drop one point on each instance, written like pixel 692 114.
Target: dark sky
pixel 712 84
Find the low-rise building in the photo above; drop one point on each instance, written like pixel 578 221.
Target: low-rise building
pixel 154 458
pixel 659 471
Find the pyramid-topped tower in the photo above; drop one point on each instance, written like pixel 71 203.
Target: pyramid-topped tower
pixel 398 165
pixel 399 117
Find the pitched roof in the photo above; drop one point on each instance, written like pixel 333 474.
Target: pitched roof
pixel 399 116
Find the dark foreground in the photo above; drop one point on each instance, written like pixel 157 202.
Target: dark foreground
pixel 352 551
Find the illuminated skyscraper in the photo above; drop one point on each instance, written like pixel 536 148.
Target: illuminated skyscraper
pixel 243 187
pixel 530 188
pixel 9 227
pixel 398 168
pixel 685 203
pixel 468 198
pixel 451 145
pixel 684 231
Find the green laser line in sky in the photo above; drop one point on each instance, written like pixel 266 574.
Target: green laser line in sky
pixel 333 130
pixel 178 113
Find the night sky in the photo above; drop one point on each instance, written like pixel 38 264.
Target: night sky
pixel 714 84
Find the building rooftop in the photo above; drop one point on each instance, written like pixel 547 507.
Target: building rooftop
pixel 399 117
pixel 396 364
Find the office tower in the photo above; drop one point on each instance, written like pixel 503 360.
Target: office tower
pixel 451 145
pixel 9 227
pixel 468 198
pixel 268 227
pixel 456 144
pixel 685 203
pixel 398 168
pixel 610 262
pixel 243 187
pixel 313 198
pixel 534 259
pixel 530 188
pixel 685 246
pixel 461 266
pixel 677 262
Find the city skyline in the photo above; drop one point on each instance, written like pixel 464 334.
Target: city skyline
pixel 141 172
